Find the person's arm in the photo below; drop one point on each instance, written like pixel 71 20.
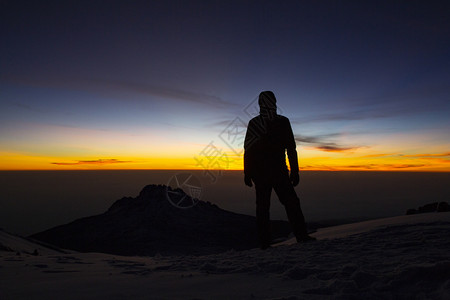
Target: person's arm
pixel 292 155
pixel 249 139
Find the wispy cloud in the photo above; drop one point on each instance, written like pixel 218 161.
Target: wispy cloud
pixel 383 166
pixel 332 147
pixel 323 143
pixel 366 167
pixel 393 108
pixel 354 115
pixel 166 92
pixel 222 124
pixel 92 162
pixel 113 87
pixel 427 155
pixel 314 139
pixel 424 156
pixel 441 158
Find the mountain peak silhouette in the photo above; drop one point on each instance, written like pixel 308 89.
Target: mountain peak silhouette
pixel 149 224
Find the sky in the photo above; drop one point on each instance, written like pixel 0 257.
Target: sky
pixel 173 84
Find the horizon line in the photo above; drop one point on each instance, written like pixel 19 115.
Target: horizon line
pixel 233 170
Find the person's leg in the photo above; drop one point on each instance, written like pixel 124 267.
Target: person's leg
pixel 288 197
pixel 263 191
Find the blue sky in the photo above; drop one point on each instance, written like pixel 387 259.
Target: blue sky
pixel 147 81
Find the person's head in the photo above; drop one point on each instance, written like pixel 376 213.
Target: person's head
pixel 267 102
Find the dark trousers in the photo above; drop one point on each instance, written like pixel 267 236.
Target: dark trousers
pixel 287 196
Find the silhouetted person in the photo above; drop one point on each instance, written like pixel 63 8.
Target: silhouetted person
pixel 269 136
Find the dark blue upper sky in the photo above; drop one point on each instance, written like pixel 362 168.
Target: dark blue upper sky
pixel 349 74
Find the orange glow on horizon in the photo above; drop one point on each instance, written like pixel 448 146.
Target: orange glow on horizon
pixel 308 161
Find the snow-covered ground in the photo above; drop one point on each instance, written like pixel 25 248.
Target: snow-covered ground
pixel 406 257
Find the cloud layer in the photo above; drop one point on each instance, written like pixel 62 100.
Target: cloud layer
pixel 113 87
pixel 323 143
pixel 92 162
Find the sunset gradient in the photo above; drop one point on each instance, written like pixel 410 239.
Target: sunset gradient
pixel 158 85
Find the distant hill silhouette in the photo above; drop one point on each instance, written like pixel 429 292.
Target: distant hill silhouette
pixel 430 207
pixel 149 224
